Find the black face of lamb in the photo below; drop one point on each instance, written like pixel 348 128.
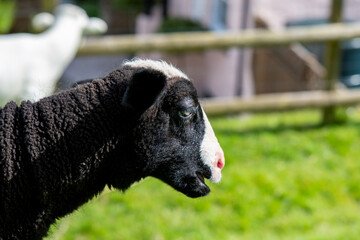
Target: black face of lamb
pixel 169 134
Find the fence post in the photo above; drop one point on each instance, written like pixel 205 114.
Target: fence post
pixel 332 61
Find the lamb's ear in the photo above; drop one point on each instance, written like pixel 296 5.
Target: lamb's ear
pixel 143 89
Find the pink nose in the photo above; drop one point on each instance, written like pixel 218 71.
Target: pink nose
pixel 220 163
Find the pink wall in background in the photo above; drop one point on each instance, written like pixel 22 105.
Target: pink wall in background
pixel 294 10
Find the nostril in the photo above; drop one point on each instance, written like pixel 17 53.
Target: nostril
pixel 220 160
pixel 220 164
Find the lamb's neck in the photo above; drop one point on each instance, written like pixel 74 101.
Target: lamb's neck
pixel 77 132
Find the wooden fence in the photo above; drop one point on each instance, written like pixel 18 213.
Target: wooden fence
pixel 180 42
pixel 281 102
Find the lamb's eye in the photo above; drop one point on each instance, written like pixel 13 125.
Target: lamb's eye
pixel 187 113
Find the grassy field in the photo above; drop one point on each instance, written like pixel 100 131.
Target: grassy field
pixel 285 177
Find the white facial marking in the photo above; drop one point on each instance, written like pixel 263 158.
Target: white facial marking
pixel 211 152
pixel 162 66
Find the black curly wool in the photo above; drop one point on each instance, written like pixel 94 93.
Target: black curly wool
pixel 53 146
pixel 58 153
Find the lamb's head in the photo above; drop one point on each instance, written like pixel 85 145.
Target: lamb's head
pixel 173 135
pixel 74 14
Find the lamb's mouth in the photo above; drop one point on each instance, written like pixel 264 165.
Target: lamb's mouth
pixel 201 177
pixel 195 186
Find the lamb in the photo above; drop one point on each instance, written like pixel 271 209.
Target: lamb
pixel 31 64
pixel 141 120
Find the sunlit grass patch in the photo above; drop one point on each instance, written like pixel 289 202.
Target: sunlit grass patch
pixel 286 177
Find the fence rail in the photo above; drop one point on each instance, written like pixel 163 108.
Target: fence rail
pixel 281 102
pixel 180 42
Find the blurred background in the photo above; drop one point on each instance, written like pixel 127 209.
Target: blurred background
pixel 289 174
pixel 216 73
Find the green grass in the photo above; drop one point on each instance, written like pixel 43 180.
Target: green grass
pixel 285 178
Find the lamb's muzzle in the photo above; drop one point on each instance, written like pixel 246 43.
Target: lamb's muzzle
pixel 212 153
pixel 218 165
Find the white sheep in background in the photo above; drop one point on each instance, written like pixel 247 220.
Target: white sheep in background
pixel 31 64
